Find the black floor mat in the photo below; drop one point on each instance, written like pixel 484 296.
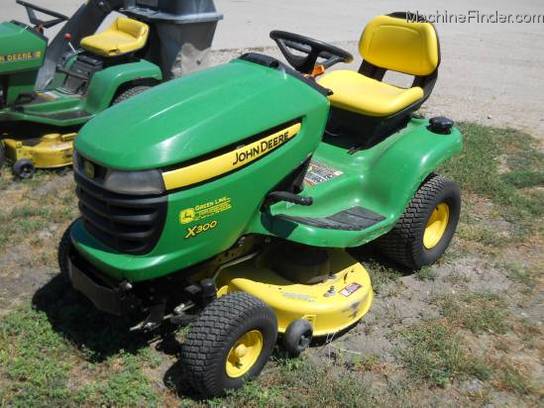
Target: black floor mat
pixel 353 219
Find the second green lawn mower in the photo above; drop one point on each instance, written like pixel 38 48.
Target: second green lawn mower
pixel 48 91
pixel 229 203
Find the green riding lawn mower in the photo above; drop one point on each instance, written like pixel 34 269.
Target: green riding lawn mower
pixel 229 202
pixel 48 91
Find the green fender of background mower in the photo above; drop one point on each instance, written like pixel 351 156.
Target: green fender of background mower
pixel 382 179
pixel 105 83
pixel 103 88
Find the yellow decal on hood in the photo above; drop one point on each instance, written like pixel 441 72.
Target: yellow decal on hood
pixel 225 163
pixel 20 56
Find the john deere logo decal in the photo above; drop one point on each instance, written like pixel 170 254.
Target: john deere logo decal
pixel 20 56
pixel 205 210
pixel 260 149
pixel 227 162
pixel 88 169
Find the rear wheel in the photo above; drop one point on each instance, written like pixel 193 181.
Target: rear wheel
pixel 129 93
pixel 24 169
pixel 424 231
pixel 229 344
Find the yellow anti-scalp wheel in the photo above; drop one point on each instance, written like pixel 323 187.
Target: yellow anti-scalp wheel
pixel 424 231
pixel 229 344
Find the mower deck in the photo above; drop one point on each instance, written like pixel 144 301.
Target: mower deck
pixel 48 152
pixel 330 306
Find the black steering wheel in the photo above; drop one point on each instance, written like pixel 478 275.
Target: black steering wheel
pixel 41 24
pixel 311 51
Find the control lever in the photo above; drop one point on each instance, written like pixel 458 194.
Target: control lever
pixel 68 37
pixel 291 198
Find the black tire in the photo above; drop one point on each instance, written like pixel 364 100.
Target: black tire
pixel 2 154
pixel 211 338
pixel 129 93
pixel 297 337
pixel 404 244
pixel 24 169
pixel 64 249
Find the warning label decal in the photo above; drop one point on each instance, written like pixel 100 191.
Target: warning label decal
pixel 319 173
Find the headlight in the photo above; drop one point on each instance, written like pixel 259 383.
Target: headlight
pixel 146 182
pixel 134 182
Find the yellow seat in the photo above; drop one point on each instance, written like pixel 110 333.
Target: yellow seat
pixel 360 94
pixel 124 36
pixel 387 43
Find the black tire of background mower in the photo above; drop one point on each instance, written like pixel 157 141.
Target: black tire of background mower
pixel 129 93
pixel 24 169
pixel 63 251
pixel 2 154
pixel 404 243
pixel 214 333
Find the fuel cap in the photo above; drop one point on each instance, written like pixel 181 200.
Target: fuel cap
pixel 441 125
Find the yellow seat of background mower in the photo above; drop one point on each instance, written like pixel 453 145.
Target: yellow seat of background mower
pixel 366 96
pixel 124 36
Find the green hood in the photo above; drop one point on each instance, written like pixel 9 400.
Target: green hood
pixel 196 115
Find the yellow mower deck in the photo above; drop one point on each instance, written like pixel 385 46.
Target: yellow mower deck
pixel 48 152
pixel 329 306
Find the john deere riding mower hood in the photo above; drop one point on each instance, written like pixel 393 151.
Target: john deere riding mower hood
pixel 229 202
pixel 48 92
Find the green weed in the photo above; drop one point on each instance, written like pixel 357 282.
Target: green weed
pixel 434 353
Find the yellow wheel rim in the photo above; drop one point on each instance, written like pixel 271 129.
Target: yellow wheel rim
pixel 244 354
pixel 436 226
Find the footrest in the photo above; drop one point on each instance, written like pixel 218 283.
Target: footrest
pixel 353 219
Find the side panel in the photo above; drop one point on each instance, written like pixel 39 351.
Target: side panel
pixel 382 179
pixel 105 83
pixel 20 49
pixel 22 54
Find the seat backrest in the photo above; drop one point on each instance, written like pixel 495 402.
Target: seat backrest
pixel 132 27
pixel 397 44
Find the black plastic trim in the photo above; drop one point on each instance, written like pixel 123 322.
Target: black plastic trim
pixel 353 219
pixel 271 62
pixel 127 223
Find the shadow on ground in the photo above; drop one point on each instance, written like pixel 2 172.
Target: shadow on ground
pixel 96 334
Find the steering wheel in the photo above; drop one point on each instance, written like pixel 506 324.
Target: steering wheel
pixel 311 49
pixel 41 24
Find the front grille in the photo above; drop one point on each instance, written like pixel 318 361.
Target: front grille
pixel 126 223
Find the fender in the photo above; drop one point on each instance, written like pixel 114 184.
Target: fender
pixel 105 83
pixel 399 171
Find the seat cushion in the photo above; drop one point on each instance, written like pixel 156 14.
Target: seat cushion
pixel 396 44
pixel 357 93
pixel 124 36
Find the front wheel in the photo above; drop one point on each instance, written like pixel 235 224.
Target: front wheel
pixel 64 250
pixel 24 169
pixel 424 231
pixel 229 344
